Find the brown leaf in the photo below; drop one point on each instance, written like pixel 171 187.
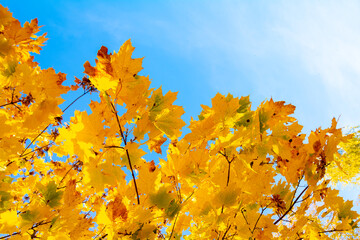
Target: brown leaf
pixel 117 209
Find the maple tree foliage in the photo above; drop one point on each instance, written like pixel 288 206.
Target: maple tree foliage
pixel 239 173
pixel 346 167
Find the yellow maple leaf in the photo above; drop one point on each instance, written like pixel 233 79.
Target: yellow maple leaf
pixel 113 70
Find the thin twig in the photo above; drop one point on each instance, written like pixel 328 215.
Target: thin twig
pixel 127 152
pixel 226 232
pixel 297 187
pixel 32 228
pixel 333 230
pixel 178 191
pixel 50 123
pixel 228 174
pixel 257 220
pixel 242 213
pixel 9 235
pixel 36 149
pixel 100 232
pixel 88 212
pixel 114 147
pixel 76 100
pixel 10 103
pixel 27 147
pixel 72 166
pixel 172 230
pixel 304 198
pixel 291 206
pixel 103 237
pixel 188 198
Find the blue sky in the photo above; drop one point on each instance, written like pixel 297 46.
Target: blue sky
pixel 306 53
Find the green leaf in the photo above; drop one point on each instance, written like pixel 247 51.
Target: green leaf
pixel 158 105
pixel 345 211
pixel 51 195
pixel 54 222
pixel 245 120
pixel 29 216
pixel 134 236
pixel 201 117
pixel 227 196
pixel 4 199
pixel 10 70
pixel 263 118
pixel 244 103
pixel 173 208
pixel 161 199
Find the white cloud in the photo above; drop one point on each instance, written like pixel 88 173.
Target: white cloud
pixel 325 35
pixel 322 36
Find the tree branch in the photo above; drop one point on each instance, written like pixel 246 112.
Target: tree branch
pixel 258 219
pixel 333 230
pixel 27 147
pixel 72 166
pixel 127 152
pixel 114 147
pixel 10 103
pixel 226 232
pixel 228 174
pixel 242 213
pixel 100 232
pixel 76 100
pixel 36 149
pixel 297 187
pixel 9 235
pixel 291 206
pixel 32 228
pixel 172 230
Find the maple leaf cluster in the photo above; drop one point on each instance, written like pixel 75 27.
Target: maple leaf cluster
pixel 239 174
pixel 346 167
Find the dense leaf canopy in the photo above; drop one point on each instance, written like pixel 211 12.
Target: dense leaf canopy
pixel 239 173
pixel 346 167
